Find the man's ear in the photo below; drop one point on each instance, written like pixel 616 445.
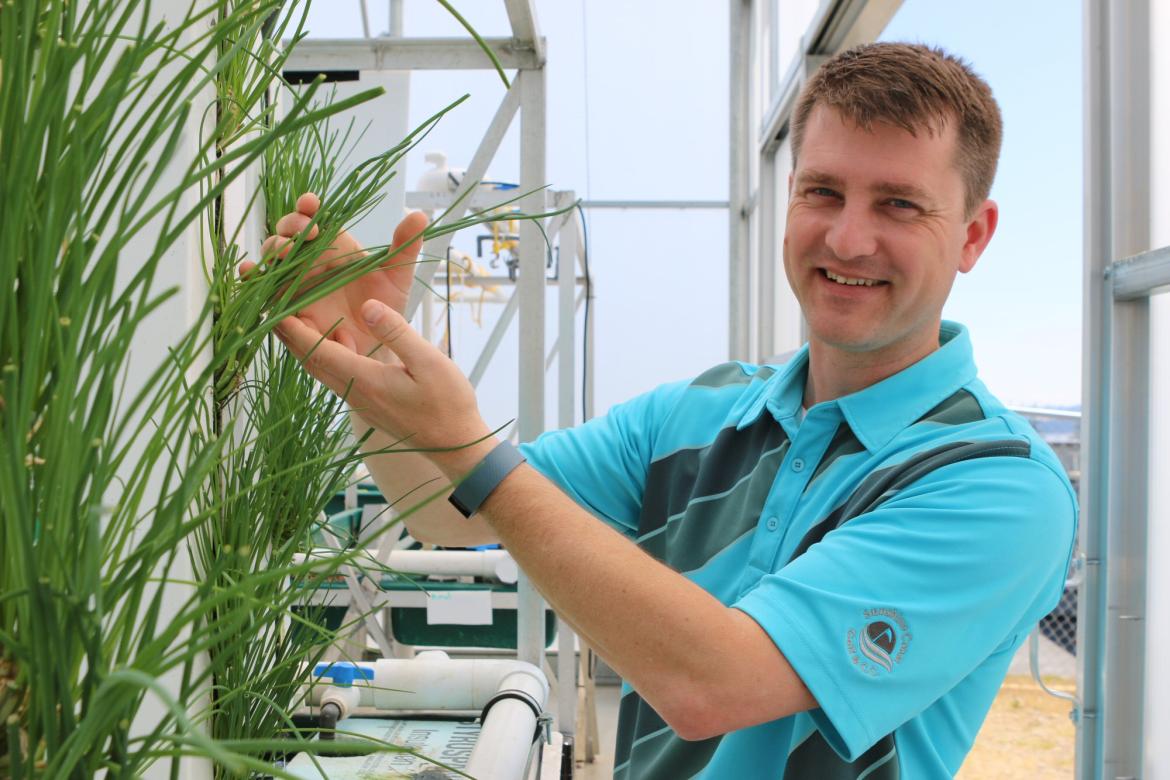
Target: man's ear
pixel 980 229
pixel 790 173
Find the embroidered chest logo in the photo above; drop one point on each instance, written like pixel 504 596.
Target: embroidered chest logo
pixel 881 642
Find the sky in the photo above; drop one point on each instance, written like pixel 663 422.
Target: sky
pixel 1023 300
pixel 638 110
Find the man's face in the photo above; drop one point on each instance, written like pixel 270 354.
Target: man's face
pixel 875 234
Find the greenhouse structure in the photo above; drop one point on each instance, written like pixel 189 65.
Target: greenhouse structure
pixel 296 288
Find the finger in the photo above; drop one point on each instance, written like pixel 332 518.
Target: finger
pixel 247 268
pixel 408 239
pixel 308 204
pixel 404 250
pixel 392 329
pixel 326 360
pixel 292 225
pixel 275 247
pixel 343 337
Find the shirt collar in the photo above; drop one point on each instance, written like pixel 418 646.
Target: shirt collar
pixel 876 414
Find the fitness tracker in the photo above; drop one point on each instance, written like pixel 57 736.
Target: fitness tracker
pixel 484 478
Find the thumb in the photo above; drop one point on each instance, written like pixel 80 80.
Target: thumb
pixel 392 329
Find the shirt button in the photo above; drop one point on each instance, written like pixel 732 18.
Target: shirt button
pixel 798 464
pixel 772 524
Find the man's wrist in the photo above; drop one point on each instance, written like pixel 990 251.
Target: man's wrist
pixel 457 462
pixel 483 479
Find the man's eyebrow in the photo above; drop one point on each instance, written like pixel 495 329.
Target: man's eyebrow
pixel 820 178
pixel 903 190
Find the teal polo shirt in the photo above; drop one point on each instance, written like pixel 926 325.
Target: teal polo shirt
pixel 897 545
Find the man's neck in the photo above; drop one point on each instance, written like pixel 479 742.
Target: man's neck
pixel 833 372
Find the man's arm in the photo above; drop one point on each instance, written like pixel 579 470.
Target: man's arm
pixel 406 479
pixel 706 668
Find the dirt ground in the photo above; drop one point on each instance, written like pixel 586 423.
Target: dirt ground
pixel 1027 734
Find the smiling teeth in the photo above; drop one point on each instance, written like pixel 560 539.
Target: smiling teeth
pixel 847 280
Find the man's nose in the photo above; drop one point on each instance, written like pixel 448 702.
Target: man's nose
pixel 852 233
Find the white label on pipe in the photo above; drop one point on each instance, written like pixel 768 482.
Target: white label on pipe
pixel 448 741
pixel 459 607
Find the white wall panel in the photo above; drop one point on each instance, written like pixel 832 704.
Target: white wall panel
pixel 1157 711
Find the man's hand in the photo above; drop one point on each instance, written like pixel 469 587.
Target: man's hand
pixel 409 390
pixel 421 397
pixel 389 284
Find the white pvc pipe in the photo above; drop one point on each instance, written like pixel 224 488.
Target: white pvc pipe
pixel 488 564
pixel 433 681
pixel 505 742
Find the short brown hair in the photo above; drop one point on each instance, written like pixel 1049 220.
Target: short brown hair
pixel 913 87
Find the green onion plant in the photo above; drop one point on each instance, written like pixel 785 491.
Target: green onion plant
pixel 149 530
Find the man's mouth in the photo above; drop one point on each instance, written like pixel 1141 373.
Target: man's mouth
pixel 849 280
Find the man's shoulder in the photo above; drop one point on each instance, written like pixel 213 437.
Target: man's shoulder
pixel 973 423
pixel 734 373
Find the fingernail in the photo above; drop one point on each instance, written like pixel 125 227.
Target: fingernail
pixel 371 311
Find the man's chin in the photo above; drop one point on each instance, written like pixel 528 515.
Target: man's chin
pixel 880 343
pixel 846 339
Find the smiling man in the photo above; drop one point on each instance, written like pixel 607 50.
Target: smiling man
pixel 814 570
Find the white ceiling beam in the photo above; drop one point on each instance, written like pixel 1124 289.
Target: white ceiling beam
pixel 522 17
pixel 325 54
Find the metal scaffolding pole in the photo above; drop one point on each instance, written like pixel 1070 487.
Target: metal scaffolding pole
pixel 767 216
pixel 1098 303
pixel 530 287
pixel 1125 577
pixel 1111 618
pixel 739 191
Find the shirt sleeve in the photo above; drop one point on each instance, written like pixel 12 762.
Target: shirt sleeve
pixel 890 611
pixel 602 464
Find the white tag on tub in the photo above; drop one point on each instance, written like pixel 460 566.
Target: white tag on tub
pixel 459 607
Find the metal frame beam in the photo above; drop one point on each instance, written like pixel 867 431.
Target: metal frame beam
pixel 845 23
pixel 530 286
pixel 739 187
pixel 476 170
pixel 1141 275
pixel 1123 704
pixel 655 204
pixel 1115 437
pixel 522 18
pixel 1097 304
pixel 325 54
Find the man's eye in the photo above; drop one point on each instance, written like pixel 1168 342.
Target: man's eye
pixel 822 192
pixel 902 203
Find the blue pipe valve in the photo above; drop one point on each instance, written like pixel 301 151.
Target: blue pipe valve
pixel 343 673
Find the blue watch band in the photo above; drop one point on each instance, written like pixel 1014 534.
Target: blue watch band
pixel 484 478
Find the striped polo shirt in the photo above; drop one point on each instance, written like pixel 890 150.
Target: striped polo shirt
pixel 897 545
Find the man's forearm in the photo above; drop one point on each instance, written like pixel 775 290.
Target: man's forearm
pixel 705 668
pixel 410 477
